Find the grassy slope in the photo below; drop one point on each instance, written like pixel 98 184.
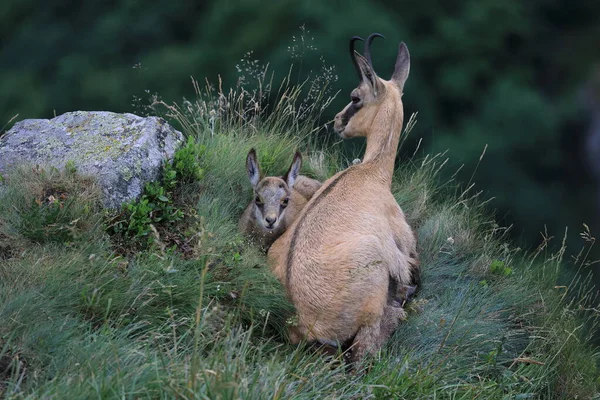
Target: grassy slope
pixel 78 321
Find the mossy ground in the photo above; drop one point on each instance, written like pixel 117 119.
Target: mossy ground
pixel 81 321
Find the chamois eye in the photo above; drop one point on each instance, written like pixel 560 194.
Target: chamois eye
pixel 355 99
pixel 284 202
pixel 257 200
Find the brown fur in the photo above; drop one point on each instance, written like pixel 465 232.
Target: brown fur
pixel 351 245
pixel 272 191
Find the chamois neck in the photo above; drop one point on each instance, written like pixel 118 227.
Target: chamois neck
pixel 383 139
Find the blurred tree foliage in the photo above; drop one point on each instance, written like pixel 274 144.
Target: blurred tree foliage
pixel 505 74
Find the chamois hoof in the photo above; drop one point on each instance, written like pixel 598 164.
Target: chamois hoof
pixel 404 294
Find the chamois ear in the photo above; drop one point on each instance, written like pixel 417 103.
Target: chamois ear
pixel 402 66
pixel 252 168
pixel 292 174
pixel 368 74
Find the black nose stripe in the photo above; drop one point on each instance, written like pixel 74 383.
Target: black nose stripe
pixel 353 109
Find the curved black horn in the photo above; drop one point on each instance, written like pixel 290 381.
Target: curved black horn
pixel 367 52
pixel 353 56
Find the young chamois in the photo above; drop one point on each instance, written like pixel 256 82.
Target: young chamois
pixel 277 201
pixel 350 253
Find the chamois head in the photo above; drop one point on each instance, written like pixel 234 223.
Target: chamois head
pixel 271 194
pixel 367 99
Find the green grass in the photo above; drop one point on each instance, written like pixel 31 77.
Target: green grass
pixel 81 320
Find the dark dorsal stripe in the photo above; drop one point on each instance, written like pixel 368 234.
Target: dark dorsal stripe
pixel 310 207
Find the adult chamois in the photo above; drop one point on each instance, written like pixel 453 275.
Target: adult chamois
pixel 351 253
pixel 277 200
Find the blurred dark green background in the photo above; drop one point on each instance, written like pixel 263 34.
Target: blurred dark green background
pixel 515 75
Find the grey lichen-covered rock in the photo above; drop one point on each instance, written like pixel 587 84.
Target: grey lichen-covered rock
pixel 123 151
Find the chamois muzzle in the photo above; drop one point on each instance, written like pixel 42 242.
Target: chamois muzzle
pixel 270 221
pixel 338 127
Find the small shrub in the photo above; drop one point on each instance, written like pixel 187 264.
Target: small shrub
pixel 186 164
pixel 154 207
pixel 157 208
pixel 498 267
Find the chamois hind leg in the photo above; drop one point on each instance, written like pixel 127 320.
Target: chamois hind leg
pixel 371 338
pixel 407 265
pixel 392 315
pixel 403 282
pixel 366 341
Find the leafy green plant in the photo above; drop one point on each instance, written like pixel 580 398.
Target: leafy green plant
pixel 186 164
pixel 498 267
pixel 156 208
